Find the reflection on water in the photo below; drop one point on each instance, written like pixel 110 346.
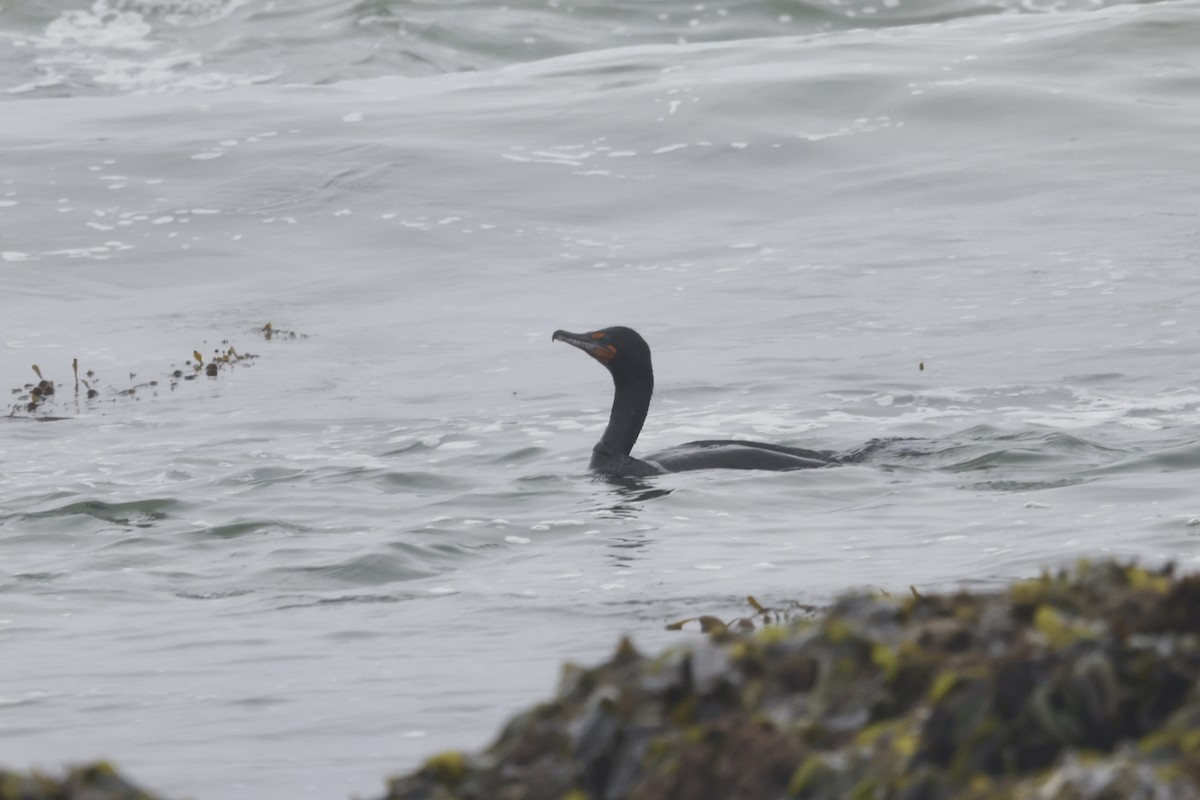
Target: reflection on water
pixel 630 492
pixel 625 549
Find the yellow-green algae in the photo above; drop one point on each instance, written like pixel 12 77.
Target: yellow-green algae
pixel 813 772
pixel 448 768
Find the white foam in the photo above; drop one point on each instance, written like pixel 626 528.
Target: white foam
pixel 111 46
pixel 459 445
pixel 99 26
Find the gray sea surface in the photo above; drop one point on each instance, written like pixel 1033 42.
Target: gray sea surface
pixel 971 226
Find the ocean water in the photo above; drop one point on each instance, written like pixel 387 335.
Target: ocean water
pixel 968 225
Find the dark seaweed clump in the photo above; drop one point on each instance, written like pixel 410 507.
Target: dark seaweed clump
pixel 1073 686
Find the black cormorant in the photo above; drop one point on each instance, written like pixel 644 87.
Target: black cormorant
pixel 627 356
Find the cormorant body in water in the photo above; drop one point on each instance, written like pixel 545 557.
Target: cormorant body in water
pixel 627 356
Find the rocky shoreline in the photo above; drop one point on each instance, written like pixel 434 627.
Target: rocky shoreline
pixel 1071 686
pixel 1078 685
pixel 97 781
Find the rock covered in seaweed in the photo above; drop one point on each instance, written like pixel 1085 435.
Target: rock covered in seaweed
pixel 97 781
pixel 1073 686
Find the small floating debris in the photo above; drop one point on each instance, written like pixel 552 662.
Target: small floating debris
pixel 764 615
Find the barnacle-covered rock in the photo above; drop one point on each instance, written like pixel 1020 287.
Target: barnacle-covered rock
pixel 1072 686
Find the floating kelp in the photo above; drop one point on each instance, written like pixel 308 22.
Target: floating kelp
pixel 1072 686
pixel 270 332
pixel 35 401
pixel 221 358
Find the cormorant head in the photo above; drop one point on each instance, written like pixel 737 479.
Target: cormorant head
pixel 622 350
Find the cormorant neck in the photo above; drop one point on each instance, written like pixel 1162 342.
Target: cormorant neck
pixel 631 401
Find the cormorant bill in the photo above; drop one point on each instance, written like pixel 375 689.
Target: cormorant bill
pixel 627 356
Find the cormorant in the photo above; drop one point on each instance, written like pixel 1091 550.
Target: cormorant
pixel 627 356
